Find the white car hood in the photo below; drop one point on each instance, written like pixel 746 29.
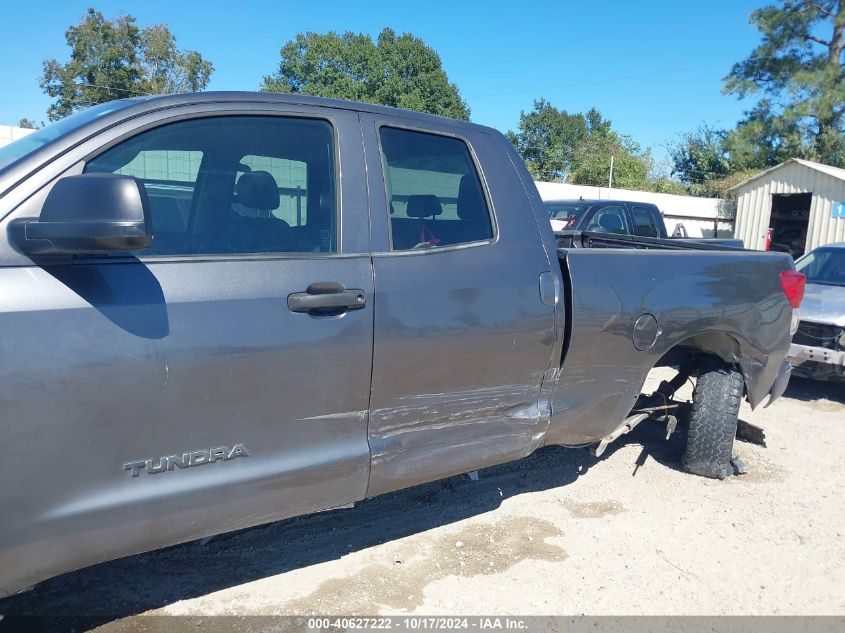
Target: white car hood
pixel 823 304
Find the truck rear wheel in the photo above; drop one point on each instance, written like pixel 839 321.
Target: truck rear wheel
pixel 713 421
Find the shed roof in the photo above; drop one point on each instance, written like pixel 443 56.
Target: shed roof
pixel 834 172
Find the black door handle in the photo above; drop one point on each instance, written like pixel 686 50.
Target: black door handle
pixel 327 298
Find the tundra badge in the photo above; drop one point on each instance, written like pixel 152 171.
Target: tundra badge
pixel 186 460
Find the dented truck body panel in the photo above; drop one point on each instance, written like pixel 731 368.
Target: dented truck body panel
pixel 719 295
pixel 154 400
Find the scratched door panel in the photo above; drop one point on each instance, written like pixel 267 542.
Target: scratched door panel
pixel 122 362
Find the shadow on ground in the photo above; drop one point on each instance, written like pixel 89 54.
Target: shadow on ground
pixel 806 390
pixel 96 595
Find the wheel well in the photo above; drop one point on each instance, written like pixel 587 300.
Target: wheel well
pixel 690 350
pixel 688 356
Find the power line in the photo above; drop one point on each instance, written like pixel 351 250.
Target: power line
pixel 85 84
pixel 700 175
pixel 102 87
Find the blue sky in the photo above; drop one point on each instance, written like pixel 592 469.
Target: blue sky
pixel 653 67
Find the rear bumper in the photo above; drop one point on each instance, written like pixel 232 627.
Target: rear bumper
pixel 780 383
pixel 802 353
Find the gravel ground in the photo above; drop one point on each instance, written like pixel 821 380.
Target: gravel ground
pixel 560 532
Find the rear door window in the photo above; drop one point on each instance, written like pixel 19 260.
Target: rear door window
pixel 434 191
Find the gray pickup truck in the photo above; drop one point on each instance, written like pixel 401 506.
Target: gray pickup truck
pixel 225 309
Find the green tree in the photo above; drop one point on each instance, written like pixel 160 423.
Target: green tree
pixel 701 157
pixel 602 148
pixel 765 139
pixel 28 124
pixel 718 187
pixel 631 164
pixel 396 70
pixel 709 161
pixel 798 72
pixel 577 147
pixel 547 139
pixel 664 184
pixel 113 59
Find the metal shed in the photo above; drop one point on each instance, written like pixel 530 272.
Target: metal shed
pixel 802 202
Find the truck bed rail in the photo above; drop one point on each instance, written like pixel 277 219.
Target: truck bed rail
pixel 594 239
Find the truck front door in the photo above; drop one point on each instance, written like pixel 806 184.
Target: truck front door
pixel 205 384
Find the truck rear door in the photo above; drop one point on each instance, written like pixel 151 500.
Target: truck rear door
pixel 462 336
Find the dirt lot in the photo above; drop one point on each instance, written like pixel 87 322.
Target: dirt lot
pixel 558 533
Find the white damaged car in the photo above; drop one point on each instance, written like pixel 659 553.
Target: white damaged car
pixel 818 347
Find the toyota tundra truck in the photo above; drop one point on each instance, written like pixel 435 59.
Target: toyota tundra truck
pixel 225 309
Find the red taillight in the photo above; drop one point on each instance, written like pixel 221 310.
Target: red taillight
pixel 793 286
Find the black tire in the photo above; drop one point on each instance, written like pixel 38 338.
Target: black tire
pixel 713 420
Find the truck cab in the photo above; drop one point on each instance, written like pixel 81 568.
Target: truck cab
pixel 608 216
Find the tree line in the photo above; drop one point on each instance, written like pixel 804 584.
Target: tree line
pixel 796 77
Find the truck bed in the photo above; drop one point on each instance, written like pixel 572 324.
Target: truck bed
pixel 627 306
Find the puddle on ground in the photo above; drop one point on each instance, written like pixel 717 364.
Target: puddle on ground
pixel 593 509
pixel 398 584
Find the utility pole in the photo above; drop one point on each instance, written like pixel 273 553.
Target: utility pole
pixel 610 177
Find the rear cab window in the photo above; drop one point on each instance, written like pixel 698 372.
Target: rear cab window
pixel 645 222
pixel 434 191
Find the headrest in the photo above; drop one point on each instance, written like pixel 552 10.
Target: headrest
pixel 258 190
pixel 423 206
pixel 610 222
pixel 471 204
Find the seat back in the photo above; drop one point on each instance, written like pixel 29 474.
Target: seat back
pixel 423 206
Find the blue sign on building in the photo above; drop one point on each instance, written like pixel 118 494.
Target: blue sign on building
pixel 837 209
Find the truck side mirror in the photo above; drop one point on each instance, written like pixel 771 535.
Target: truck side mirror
pixel 91 213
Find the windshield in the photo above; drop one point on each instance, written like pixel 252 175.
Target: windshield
pixel 13 152
pixel 566 212
pixel 823 266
